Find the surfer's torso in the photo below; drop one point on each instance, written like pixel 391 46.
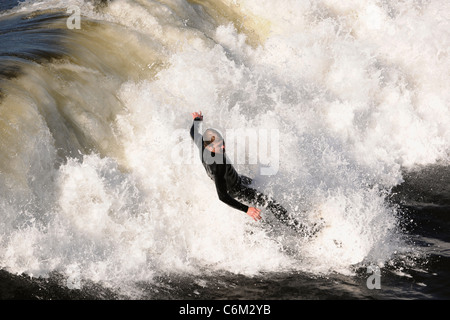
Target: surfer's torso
pixel 220 170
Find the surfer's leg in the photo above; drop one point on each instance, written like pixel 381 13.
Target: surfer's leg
pixel 257 198
pixel 247 194
pixel 282 215
pixel 251 196
pixel 278 211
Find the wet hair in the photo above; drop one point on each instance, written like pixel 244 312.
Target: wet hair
pixel 211 135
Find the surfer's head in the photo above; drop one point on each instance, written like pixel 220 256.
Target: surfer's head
pixel 213 141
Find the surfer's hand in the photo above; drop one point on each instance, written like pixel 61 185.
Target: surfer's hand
pixel 197 115
pixel 254 213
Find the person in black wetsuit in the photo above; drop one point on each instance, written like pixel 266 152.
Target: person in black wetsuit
pixel 231 187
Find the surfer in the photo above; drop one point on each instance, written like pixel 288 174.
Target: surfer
pixel 231 187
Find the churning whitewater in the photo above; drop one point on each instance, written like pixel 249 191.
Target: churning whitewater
pixel 100 182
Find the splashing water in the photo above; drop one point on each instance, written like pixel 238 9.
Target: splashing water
pixel 89 183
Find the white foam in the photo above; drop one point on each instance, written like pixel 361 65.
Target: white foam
pixel 345 83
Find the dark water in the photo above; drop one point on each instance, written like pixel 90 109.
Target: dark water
pixel 423 201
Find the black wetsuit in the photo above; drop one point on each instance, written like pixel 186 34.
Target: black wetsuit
pixel 230 186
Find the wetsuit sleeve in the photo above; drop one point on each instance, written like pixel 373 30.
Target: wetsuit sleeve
pixel 221 187
pixel 195 132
